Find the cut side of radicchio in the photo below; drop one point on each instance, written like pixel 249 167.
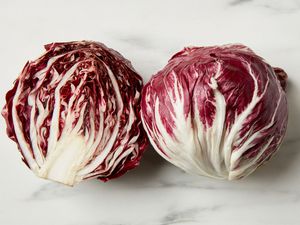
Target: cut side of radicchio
pixel 74 113
pixel 217 111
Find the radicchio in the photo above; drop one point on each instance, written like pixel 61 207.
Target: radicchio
pixel 217 111
pixel 74 113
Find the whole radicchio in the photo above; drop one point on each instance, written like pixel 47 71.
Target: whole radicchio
pixel 74 113
pixel 216 111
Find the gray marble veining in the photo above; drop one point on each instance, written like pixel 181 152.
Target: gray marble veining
pixel 148 33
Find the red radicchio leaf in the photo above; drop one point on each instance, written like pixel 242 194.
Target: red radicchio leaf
pixel 74 113
pixel 217 111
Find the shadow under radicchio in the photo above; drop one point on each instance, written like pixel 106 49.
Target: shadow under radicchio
pixel 148 170
pixel 280 168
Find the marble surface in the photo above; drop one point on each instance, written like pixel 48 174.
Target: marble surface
pixel 148 33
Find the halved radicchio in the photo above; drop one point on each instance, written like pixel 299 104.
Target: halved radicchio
pixel 217 111
pixel 74 113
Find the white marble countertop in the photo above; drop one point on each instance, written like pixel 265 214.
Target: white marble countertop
pixel 148 33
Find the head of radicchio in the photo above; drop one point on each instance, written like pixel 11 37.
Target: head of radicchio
pixel 217 111
pixel 74 113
